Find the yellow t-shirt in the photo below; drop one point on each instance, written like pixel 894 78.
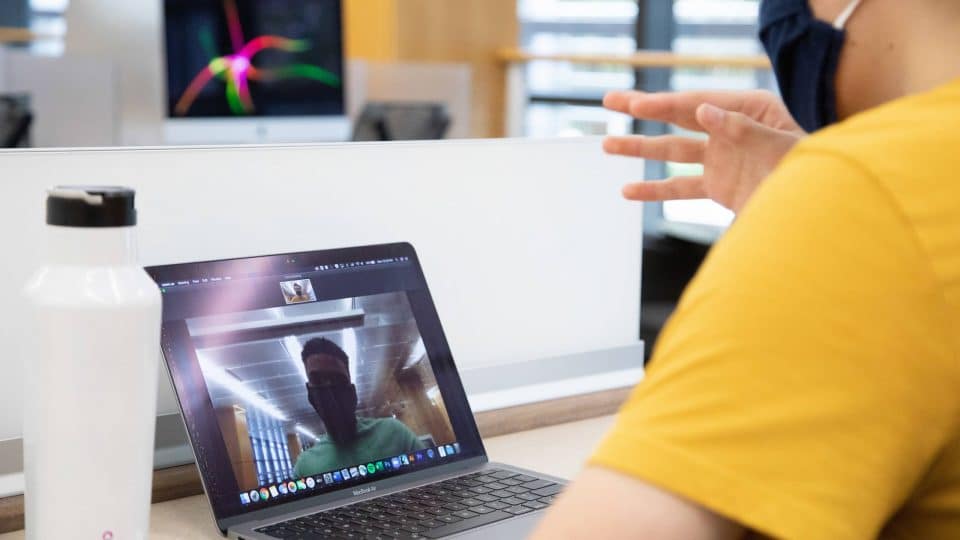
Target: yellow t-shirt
pixel 808 385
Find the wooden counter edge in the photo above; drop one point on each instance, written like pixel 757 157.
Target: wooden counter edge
pixel 184 480
pixel 640 59
pixel 14 35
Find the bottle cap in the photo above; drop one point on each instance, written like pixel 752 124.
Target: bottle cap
pixel 91 206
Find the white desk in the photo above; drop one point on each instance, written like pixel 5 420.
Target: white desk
pixel 558 450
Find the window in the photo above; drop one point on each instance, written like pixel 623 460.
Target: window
pixel 271 453
pixel 47 19
pixel 565 97
pixel 718 27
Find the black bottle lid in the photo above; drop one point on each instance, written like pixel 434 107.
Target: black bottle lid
pixel 91 206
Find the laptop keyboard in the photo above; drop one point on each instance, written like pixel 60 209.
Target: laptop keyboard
pixel 432 511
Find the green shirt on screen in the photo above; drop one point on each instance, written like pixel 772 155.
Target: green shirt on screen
pixel 377 438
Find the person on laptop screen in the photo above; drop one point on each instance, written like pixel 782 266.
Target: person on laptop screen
pixel 349 439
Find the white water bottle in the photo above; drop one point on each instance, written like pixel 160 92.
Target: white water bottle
pixel 91 376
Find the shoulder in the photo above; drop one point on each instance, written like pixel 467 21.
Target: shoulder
pixel 906 152
pixel 929 117
pixel 304 459
pixel 389 422
pixel 907 147
pixel 312 452
pixel 384 424
pixel 320 450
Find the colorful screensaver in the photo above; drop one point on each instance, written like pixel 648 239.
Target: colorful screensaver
pixel 239 67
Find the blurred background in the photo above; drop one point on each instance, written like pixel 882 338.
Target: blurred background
pixel 76 73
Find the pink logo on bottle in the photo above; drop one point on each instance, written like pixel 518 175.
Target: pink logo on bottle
pixel 107 535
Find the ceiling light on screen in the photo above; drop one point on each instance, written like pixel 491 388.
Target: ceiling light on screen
pixel 293 348
pixel 213 372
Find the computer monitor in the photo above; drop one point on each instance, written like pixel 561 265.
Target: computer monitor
pixel 241 71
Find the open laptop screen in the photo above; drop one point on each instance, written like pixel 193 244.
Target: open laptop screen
pixel 307 373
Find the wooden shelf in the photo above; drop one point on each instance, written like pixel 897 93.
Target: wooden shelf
pixel 16 35
pixel 640 59
pixel 463 32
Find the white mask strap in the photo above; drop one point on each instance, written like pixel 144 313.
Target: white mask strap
pixel 844 17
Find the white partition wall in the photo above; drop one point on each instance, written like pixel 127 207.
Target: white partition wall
pixel 73 98
pixel 127 34
pixel 527 246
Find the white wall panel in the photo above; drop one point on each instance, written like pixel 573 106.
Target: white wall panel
pixel 527 246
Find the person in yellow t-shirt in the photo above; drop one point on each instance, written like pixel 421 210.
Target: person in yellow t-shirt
pixel 808 385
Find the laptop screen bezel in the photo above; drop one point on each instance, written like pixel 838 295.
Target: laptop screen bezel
pixel 441 359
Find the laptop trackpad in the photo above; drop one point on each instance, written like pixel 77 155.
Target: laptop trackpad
pixel 516 528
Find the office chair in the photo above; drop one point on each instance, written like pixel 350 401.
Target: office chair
pixel 15 121
pixel 401 122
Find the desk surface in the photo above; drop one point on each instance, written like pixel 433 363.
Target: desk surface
pixel 558 450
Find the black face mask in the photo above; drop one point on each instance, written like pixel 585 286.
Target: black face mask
pixel 337 407
pixel 805 53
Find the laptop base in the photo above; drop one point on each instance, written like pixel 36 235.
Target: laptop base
pixel 492 501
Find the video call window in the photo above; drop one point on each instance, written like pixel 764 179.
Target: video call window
pixel 298 291
pixel 314 387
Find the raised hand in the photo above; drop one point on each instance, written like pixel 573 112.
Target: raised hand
pixel 748 134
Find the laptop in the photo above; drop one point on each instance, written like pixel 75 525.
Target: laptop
pixel 321 400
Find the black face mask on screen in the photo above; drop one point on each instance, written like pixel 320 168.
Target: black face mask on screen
pixel 337 407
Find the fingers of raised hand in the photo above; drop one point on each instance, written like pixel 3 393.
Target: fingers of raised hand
pixel 732 126
pixel 669 107
pixel 678 187
pixel 619 100
pixel 662 148
pixel 680 108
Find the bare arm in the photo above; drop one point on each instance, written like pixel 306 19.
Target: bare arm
pixel 605 504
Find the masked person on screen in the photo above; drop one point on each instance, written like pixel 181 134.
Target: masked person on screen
pixel 350 440
pixel 298 295
pixel 808 384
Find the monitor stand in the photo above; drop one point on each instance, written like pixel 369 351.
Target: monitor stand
pixel 203 131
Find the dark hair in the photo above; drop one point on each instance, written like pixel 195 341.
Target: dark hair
pixel 323 346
